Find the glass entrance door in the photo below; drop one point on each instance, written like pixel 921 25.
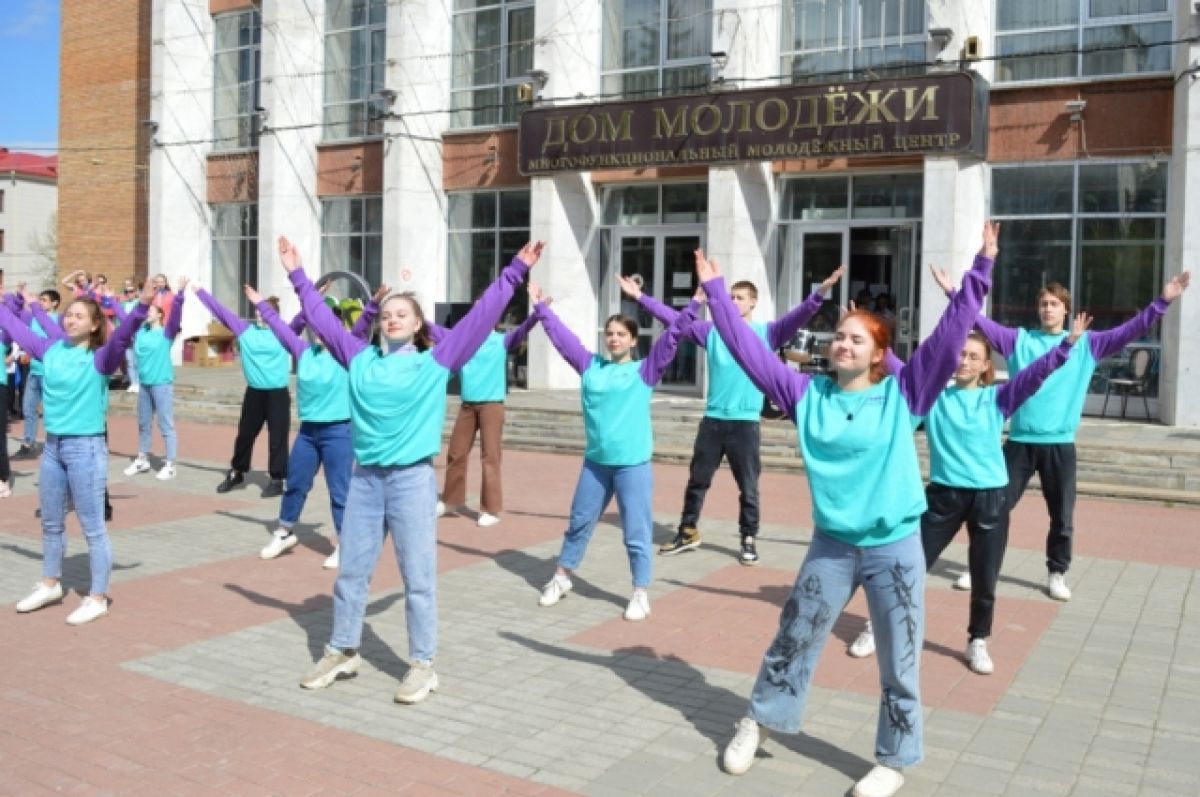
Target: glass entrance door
pixel 664 263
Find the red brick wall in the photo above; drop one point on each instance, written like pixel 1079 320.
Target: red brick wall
pixel 104 96
pixel 221 6
pixel 344 169
pixel 232 178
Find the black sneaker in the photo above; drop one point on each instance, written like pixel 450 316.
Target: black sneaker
pixel 274 489
pixel 25 452
pixel 687 539
pixel 232 479
pixel 749 551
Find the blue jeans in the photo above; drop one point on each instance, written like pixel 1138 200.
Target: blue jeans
pixel 401 499
pixel 316 445
pixel 75 468
pixel 633 486
pixel 160 400
pixel 29 408
pixel 893 577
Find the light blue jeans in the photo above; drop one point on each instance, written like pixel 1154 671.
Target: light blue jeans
pixel 893 578
pixel 402 500
pixel 131 365
pixel 76 469
pixel 157 400
pixel 29 408
pixel 633 486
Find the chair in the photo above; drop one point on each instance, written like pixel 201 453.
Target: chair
pixel 1136 380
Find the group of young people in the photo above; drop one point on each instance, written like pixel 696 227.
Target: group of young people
pixel 372 416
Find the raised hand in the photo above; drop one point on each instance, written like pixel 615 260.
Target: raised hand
pixel 700 295
pixel 631 287
pixel 535 293
pixel 1175 288
pixel 833 279
pixel 288 255
pixel 381 293
pixel 181 284
pixel 1079 325
pixel 254 296
pixel 706 269
pixel 991 240
pixel 941 277
pixel 530 253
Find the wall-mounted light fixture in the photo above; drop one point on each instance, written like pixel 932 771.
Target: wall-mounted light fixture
pixel 941 37
pixel 720 60
pixel 1075 108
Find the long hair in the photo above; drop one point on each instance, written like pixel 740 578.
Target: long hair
pixel 988 376
pixel 100 333
pixel 878 329
pixel 631 326
pixel 421 338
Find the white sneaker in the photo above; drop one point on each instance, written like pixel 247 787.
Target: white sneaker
pixel 863 644
pixel 417 683
pixel 487 519
pixel 5 490
pixel 555 591
pixel 282 540
pixel 963 582
pixel 333 561
pixel 1056 585
pixel 139 465
pixel 41 596
pixel 639 606
pixel 441 509
pixel 977 657
pixel 166 473
pixel 739 754
pixel 91 609
pixel 133 389
pixel 881 781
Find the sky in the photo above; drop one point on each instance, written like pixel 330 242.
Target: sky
pixel 29 34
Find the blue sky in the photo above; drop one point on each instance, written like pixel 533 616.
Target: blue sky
pixel 28 73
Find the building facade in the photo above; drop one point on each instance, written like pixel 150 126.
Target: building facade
pixel 383 138
pixel 28 202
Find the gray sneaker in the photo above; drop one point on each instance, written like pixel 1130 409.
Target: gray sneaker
pixel 418 682
pixel 333 664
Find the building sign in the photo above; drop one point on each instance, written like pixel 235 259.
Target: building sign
pixel 927 115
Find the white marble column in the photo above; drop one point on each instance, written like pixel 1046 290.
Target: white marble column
pixel 955 201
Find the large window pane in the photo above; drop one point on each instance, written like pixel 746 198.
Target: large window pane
pixel 355 50
pixel 352 237
pixel 486 229
pixel 234 254
pixel 236 80
pixel 1123 188
pixel 1121 266
pixel 1034 253
pixel 1033 190
pixel 492 53
pixel 822 38
pixel 1018 15
pixel 1122 50
pixel 1121 8
pixel 685 204
pixel 656 46
pixel 1037 56
pixel 817 198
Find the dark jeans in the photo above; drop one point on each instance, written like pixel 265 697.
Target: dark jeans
pixel 318 445
pixel 5 473
pixel 738 442
pixel 272 407
pixel 986 515
pixel 1054 464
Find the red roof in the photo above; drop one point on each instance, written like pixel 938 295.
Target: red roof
pixel 28 164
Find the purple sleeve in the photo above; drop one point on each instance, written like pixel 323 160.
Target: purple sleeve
pixel 564 340
pixel 1111 341
pixel 781 331
pixel 362 327
pixel 283 332
pixel 342 345
pixel 236 325
pixel 52 328
pixel 25 337
pixel 175 317
pixel 663 350
pixel 1003 339
pixel 892 363
pixel 119 312
pixel 1029 379
pixel 516 337
pixel 14 302
pixel 109 357
pixel 781 384
pixel 437 332
pixel 697 331
pixel 297 325
pixel 461 343
pixel 924 378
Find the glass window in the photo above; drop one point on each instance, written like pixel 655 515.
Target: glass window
pixel 493 52
pixel 1060 39
pixel 355 52
pixel 352 237
pixel 649 205
pixel 234 254
pixel 656 47
pixel 486 229
pixel 236 70
pixel 822 38
pixel 817 198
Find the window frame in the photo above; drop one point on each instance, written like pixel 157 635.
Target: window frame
pixel 519 306
pixel 506 84
pixel 365 236
pixel 255 118
pixel 247 265
pixel 375 106
pixel 854 36
pixel 664 63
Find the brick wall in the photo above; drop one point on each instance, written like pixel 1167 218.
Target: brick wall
pixel 104 96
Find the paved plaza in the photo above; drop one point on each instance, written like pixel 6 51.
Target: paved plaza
pixel 190 685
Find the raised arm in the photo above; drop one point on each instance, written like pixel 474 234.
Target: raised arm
pixel 569 347
pixel 283 332
pixel 779 383
pixel 697 332
pixel 26 338
pixel 437 332
pixel 175 318
pixel 370 311
pixel 461 343
pixel 1001 338
pixel 515 337
pixel 933 363
pixel 784 329
pixel 236 325
pixel 663 350
pixel 109 357
pixel 119 312
pixel 52 329
pixel 1029 380
pixel 296 326
pixel 1111 341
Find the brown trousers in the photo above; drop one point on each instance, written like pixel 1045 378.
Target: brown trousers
pixel 488 419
